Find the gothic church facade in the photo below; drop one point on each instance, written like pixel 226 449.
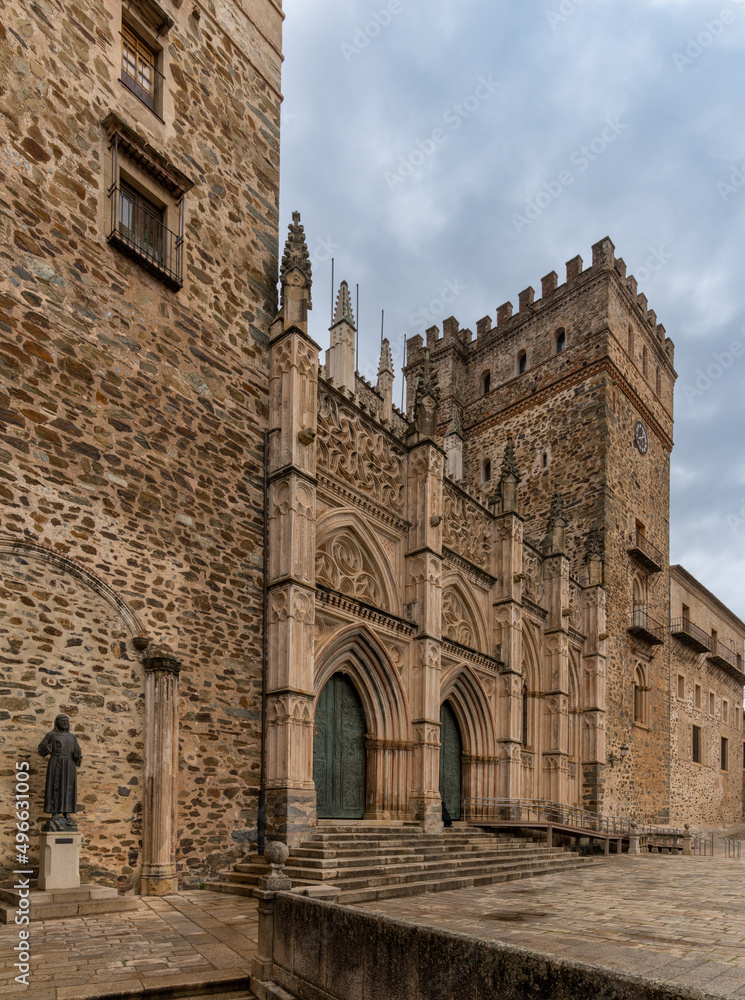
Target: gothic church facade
pixel 262 594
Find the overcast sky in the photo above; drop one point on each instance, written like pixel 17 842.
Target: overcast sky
pixel 418 134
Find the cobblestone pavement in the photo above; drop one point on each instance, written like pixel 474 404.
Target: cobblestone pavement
pixel 193 938
pixel 671 918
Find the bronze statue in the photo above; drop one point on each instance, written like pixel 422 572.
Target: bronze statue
pixel 60 796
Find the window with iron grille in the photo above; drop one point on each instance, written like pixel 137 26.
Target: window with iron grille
pixel 146 210
pixel 696 745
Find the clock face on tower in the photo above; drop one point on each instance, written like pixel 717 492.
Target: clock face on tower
pixel 640 437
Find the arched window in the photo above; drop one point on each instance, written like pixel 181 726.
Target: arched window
pixel 641 692
pixel 522 362
pixel 525 715
pixel 486 470
pixel 560 340
pixel 486 382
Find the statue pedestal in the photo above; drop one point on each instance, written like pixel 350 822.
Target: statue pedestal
pixel 59 863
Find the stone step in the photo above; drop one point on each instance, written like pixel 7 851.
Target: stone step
pixel 312 850
pixel 387 861
pixel 390 850
pixel 86 900
pixel 367 895
pixel 372 877
pixel 352 840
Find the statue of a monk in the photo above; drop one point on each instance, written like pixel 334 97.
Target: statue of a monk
pixel 60 796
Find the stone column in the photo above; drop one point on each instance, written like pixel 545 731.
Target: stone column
pixel 158 876
pixel 508 637
pixel 424 593
pixel 593 703
pixel 556 695
pixel 293 392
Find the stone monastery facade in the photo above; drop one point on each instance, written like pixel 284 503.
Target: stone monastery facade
pixel 263 594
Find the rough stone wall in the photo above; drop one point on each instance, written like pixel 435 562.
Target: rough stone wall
pixel 704 794
pixel 65 649
pixel 132 416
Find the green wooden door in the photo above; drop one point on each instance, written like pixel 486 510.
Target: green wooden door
pixel 450 761
pixel 339 759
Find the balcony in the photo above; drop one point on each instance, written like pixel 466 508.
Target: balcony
pixel 641 549
pixel 643 626
pixel 691 635
pixel 726 658
pixel 141 235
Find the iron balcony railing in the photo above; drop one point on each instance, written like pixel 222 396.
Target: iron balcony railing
pixel 529 811
pixel 645 552
pixel 644 626
pixel 142 236
pixel 725 654
pixel 691 635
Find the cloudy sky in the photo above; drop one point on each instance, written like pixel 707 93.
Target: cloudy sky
pixel 418 134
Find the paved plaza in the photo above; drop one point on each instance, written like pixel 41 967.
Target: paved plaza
pixel 196 938
pixel 676 919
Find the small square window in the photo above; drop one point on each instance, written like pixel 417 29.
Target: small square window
pixel 696 745
pixel 140 69
pixel 681 687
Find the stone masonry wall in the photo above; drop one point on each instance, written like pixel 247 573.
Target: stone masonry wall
pixel 705 793
pixel 132 416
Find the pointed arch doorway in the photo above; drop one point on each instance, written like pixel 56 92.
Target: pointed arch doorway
pixel 339 757
pixel 451 751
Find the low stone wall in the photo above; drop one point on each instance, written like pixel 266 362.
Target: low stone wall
pixel 322 951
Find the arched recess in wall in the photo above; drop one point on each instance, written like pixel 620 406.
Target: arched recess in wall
pixel 470 703
pixel 357 653
pixel 462 619
pixel 65 638
pixel 575 731
pixel 532 717
pixel 350 559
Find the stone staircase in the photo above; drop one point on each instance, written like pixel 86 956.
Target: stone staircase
pixel 369 861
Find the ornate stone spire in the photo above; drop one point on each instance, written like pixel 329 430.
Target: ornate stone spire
pixel 595 548
pixel 343 309
pixel 385 380
pixel 296 258
pixel 510 477
pixel 556 515
pixel 594 556
pixel 386 358
pixel 557 523
pixel 509 462
pixel 426 398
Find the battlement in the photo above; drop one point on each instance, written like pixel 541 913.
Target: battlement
pixel 604 260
